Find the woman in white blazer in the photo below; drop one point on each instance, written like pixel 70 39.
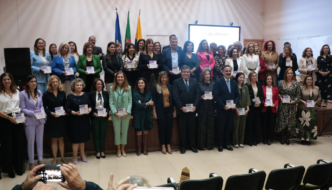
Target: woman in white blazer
pixel 308 66
pixel 234 61
pixel 250 61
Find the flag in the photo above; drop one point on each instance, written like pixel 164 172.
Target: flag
pixel 138 30
pixel 117 30
pixel 128 36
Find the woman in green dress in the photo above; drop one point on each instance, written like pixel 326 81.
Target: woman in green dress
pixel 142 112
pixel 307 111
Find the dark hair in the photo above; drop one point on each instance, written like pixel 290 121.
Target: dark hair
pixel 49 50
pixel 116 46
pixel 127 49
pixel 86 46
pixel 27 89
pixel 93 87
pixel 237 77
pixel 322 51
pixel 290 50
pixel 202 75
pixel 137 47
pixel 265 45
pixel 268 75
pixel 305 52
pixel 305 81
pixel 184 67
pixel 185 46
pixel 76 52
pixel 36 48
pixel 171 36
pixel 108 53
pixel 230 54
pixel 146 88
pixel 286 43
pixel 200 46
pixel 226 66
pixel 13 86
pixel 224 48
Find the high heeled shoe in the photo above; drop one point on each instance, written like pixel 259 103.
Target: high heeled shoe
pixel 287 141
pixel 282 140
pixel 63 160
pixel 102 155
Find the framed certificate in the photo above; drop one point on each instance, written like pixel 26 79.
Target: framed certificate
pixel 241 111
pixel 285 99
pixel 122 111
pixel 84 109
pixel 208 95
pixel 311 67
pixel 175 70
pixel 268 102
pixel 229 103
pixel 47 69
pixel 271 66
pixel 90 70
pixel 101 112
pixel 310 104
pixel 289 63
pixel 207 67
pixel 40 114
pixel 235 72
pixel 69 71
pixel 59 111
pixel 190 107
pixel 130 65
pixel 153 64
pixel 20 118
pixel 256 100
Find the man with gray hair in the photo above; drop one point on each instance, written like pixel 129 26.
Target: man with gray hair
pixel 96 50
pixel 169 46
pixel 186 95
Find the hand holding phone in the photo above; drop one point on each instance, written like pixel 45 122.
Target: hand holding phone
pixel 51 173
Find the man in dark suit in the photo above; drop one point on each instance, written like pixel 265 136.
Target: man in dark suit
pixel 169 46
pixel 172 57
pixel 186 90
pixel 96 50
pixel 281 55
pixel 225 89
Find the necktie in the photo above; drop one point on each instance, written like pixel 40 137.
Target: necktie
pixel 187 86
pixel 229 86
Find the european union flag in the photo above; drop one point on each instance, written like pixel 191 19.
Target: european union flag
pixel 117 30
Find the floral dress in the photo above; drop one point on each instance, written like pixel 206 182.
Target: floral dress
pixel 286 115
pixel 325 82
pixel 219 66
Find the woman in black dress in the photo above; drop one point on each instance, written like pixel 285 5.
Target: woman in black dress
pixel 112 63
pixel 53 98
pixel 190 59
pixel 145 59
pixel 205 134
pixel 324 77
pixel 79 129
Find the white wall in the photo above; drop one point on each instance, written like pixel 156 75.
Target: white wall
pixel 56 21
pixel 290 20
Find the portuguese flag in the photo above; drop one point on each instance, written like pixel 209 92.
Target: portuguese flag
pixel 128 36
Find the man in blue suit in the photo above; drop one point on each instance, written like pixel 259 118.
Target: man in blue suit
pixel 172 57
pixel 225 89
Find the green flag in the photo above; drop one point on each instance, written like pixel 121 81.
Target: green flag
pixel 128 37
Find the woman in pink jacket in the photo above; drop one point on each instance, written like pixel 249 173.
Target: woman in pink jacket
pixel 205 57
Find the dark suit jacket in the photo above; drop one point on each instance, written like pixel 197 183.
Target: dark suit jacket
pixel 167 62
pixel 97 50
pixel 180 95
pixel 168 46
pixel 221 93
pixel 158 100
pixel 260 93
pixel 142 65
pixel 93 95
pixel 282 65
pixel 111 68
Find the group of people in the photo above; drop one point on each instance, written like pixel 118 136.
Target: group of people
pixel 147 82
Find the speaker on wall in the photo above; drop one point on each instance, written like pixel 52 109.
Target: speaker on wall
pixel 18 64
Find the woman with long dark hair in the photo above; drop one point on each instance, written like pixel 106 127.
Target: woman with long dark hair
pixel 142 99
pixel 11 132
pixel 31 105
pixel 130 62
pixel 140 47
pixel 324 77
pixel 190 59
pixel 112 63
pixel 205 57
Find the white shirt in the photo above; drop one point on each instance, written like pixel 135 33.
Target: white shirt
pixel 99 103
pixel 10 105
pixel 269 93
pixel 250 63
pixel 42 57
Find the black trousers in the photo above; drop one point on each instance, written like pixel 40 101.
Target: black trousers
pixel 11 139
pixel 251 131
pixel 269 123
pixel 224 128
pixel 165 126
pixel 187 127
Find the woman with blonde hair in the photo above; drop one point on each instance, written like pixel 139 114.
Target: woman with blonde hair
pixel 60 65
pixel 290 95
pixel 250 60
pixel 120 106
pixel 78 108
pixel 163 110
pixel 205 134
pixel 55 99
pixel 307 111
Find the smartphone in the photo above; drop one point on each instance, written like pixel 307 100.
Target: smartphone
pixel 51 173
